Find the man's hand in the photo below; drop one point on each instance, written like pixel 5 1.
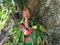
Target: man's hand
pixel 26 15
pixel 27 23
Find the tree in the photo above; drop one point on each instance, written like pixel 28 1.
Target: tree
pixel 47 11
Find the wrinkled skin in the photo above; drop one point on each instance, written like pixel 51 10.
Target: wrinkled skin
pixel 26 16
pixel 26 13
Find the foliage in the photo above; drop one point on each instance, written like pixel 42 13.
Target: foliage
pixel 3 18
pixel 38 36
pixel 21 2
pixel 8 43
pixel 6 7
pixel 18 35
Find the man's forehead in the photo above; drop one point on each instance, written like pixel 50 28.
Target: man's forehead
pixel 26 10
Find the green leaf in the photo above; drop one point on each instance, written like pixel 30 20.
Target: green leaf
pixel 9 43
pixel 35 27
pixel 1 13
pixel 42 28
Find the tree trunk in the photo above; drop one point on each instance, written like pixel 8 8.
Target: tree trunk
pixel 46 11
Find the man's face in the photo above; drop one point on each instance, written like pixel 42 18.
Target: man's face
pixel 26 13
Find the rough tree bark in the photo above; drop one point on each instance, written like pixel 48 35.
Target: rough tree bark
pixel 48 12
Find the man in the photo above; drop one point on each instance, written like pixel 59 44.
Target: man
pixel 26 15
pixel 33 30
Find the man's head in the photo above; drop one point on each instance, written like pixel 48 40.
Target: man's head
pixel 26 13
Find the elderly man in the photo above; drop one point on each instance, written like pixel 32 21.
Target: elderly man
pixel 33 30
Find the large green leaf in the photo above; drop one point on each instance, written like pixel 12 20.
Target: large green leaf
pixel 18 35
pixel 1 13
pixel 42 28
